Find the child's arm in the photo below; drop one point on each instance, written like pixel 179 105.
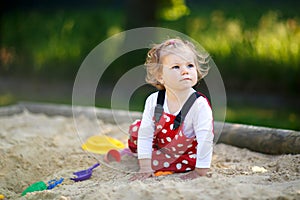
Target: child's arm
pixel 144 143
pixel 203 126
pixel 145 166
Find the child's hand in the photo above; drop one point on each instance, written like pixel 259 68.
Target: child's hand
pixel 195 173
pixel 141 176
pixel 145 170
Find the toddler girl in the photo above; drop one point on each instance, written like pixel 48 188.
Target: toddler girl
pixel 176 130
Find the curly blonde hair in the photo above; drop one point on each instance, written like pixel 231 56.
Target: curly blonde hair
pixel 171 46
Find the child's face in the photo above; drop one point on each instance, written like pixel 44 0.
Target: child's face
pixel 179 71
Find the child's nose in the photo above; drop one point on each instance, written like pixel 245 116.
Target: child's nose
pixel 184 70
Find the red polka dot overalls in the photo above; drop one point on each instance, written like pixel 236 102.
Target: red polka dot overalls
pixel 171 149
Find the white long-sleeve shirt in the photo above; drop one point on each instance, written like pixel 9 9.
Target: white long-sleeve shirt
pixel 198 122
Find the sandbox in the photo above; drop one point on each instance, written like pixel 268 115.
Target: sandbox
pixel 40 142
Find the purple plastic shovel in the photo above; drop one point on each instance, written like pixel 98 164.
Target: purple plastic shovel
pixel 84 174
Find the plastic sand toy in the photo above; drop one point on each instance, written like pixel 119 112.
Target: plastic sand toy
pixel 53 183
pixel 112 155
pixel 115 155
pixel 84 174
pixel 101 144
pixel 37 186
pixel 163 173
pixel 41 185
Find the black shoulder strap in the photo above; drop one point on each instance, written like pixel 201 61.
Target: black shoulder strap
pixel 185 109
pixel 161 97
pixel 181 115
pixel 159 105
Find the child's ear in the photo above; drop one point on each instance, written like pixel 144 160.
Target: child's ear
pixel 160 79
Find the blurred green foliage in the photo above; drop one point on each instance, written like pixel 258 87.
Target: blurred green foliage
pixel 172 10
pixel 53 44
pixel 257 48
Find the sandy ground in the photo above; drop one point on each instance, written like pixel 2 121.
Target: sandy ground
pixel 36 147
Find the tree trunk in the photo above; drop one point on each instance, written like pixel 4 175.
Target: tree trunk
pixel 140 13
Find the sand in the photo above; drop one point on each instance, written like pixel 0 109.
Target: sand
pixel 37 147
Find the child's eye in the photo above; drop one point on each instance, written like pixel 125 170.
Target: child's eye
pixel 175 67
pixel 190 65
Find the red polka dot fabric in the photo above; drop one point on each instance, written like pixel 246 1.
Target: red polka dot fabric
pixel 172 150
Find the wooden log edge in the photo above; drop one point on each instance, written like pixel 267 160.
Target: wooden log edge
pixel 255 138
pixel 260 139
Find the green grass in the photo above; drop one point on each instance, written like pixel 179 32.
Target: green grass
pixel 268 117
pixel 7 99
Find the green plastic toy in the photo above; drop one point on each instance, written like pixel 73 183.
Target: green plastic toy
pixel 37 186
